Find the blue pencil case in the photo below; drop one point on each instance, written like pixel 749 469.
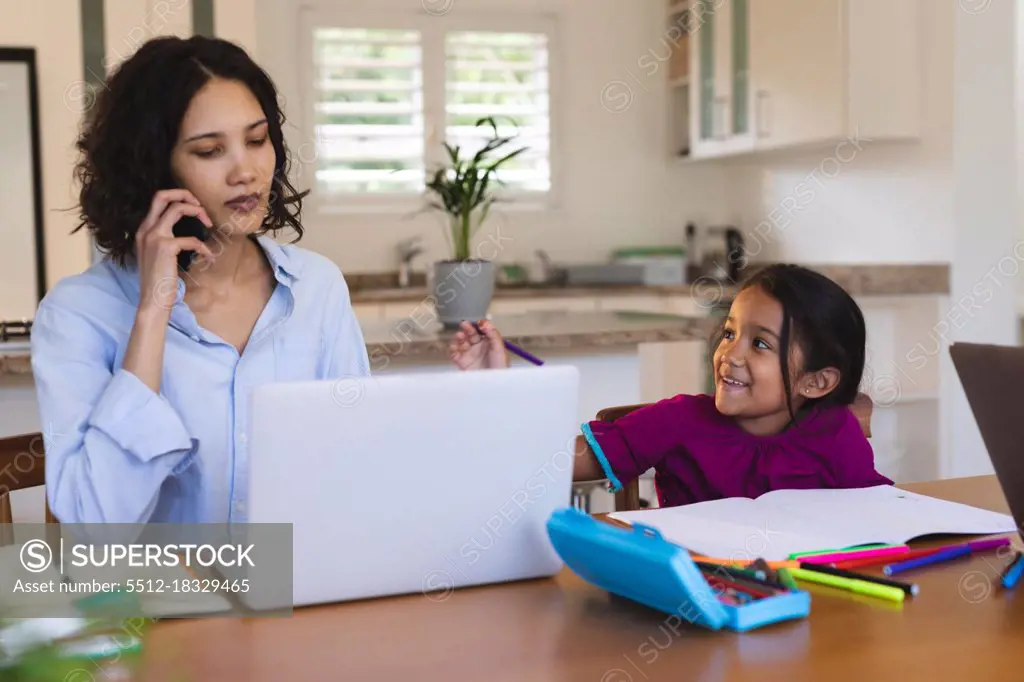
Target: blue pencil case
pixel 639 564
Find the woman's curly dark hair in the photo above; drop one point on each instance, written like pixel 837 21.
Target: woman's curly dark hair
pixel 128 137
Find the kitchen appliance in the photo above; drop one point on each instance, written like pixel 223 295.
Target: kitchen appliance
pixel 605 274
pixel 722 255
pixel 662 265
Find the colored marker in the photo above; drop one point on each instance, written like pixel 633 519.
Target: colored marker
pixel 733 571
pixel 1013 572
pixel 756 587
pixel 786 578
pixel 936 558
pixel 975 545
pixel 858 554
pixel 758 578
pixel 762 567
pixel 513 348
pixel 856 586
pixel 840 550
pixel 991 543
pixel 741 586
pixel 774 565
pixel 910 589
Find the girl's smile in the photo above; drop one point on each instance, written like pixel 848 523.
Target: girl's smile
pixel 748 373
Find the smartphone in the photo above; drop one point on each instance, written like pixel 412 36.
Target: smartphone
pixel 189 226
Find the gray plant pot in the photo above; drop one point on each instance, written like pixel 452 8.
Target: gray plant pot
pixel 463 290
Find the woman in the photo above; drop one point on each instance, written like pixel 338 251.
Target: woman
pixel 143 371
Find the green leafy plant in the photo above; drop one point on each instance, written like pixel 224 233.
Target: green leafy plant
pixel 464 188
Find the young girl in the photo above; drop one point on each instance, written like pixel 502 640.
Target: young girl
pixel 787 365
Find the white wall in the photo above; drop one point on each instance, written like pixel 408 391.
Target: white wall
pixel 953 197
pixel 987 246
pixel 130 23
pixel 618 187
pixel 53 29
pixel 863 201
pixel 18 257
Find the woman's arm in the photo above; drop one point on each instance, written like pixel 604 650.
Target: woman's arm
pixel 144 356
pixel 110 439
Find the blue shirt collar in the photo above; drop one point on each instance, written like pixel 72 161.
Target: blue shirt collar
pixel 286 270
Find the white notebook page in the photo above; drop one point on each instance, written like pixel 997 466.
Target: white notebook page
pixel 784 522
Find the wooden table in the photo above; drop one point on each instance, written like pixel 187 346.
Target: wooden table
pixel 962 626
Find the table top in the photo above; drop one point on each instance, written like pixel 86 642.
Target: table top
pixel 961 626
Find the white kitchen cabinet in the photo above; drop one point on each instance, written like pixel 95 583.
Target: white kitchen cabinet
pixel 778 74
pixel 799 63
pixel 721 115
pixel 824 71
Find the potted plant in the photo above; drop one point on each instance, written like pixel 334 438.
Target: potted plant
pixel 464 190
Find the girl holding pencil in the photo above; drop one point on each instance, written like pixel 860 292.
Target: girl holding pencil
pixel 788 361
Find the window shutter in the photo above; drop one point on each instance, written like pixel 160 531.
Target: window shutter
pixel 504 75
pixel 368 98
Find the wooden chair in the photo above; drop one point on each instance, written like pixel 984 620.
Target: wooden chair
pixel 22 465
pixel 628 499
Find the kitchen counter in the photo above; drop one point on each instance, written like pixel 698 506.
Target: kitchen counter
pixel 15 363
pixel 858 280
pixel 538 332
pixel 15 357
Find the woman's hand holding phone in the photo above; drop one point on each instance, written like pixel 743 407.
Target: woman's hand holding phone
pixel 157 248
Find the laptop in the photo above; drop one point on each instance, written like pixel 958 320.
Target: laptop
pixel 990 376
pixel 418 483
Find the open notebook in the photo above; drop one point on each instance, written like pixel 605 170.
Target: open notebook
pixel 785 522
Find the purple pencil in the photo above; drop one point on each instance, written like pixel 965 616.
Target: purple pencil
pixel 513 348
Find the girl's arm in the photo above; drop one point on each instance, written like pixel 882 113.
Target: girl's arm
pixel 470 350
pixel 622 450
pixel 585 465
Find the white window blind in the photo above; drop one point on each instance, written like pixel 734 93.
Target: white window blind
pixel 368 110
pixel 504 76
pixel 386 93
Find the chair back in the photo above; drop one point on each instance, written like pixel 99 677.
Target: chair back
pixel 628 499
pixel 22 465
